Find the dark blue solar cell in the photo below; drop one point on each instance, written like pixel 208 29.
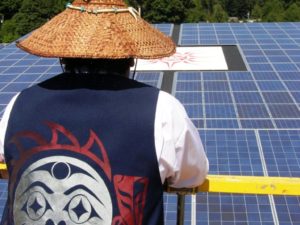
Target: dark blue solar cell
pixel 16 56
pixel 16 70
pixel 242 76
pixel 15 87
pixel 2 69
pixel 209 42
pixel 257 124
pixel 55 69
pixel 216 86
pixel 289 45
pixel 183 76
pixel 189 42
pixel 271 86
pixel 6 97
pixel 188 86
pixel 269 47
pixel 279 59
pixel 295 58
pixel 37 69
pixel 243 86
pixel 45 61
pixel 194 111
pixel 285 67
pixel 6 63
pixel 293 52
pixel 252 111
pixel 247 97
pixel 260 59
pixel 284 111
pixel 225 124
pixel 288 124
pixel 189 97
pixel 220 111
pixel 265 76
pixel 7 78
pixel 8 51
pixel 250 47
pixel 277 97
pixel 274 52
pixel 258 53
pixel 262 41
pixel 28 62
pixel 217 76
pixel 261 67
pixel 289 75
pixel 151 76
pixel 293 85
pixel 27 78
pixel 246 41
pixel 296 95
pixel 218 98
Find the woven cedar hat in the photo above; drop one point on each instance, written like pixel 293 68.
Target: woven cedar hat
pixel 105 29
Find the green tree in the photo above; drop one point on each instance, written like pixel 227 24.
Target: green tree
pixel 172 11
pixel 8 32
pixel 292 14
pixel 219 14
pixel 256 12
pixel 273 11
pixel 31 15
pixel 10 7
pixel 196 14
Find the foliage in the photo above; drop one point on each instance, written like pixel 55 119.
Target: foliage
pixel 219 14
pixel 22 16
pixel 28 15
pixel 292 14
pixel 273 11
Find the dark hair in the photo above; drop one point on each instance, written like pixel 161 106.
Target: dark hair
pixel 72 65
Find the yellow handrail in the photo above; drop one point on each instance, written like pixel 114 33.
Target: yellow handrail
pixel 2 166
pixel 245 185
pixel 240 185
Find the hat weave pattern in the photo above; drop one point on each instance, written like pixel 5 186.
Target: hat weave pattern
pixel 114 32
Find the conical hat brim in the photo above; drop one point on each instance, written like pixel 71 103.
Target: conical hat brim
pixel 75 34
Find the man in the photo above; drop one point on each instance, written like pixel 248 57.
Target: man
pixel 91 146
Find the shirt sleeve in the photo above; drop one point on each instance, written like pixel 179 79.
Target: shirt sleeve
pixel 181 157
pixel 3 124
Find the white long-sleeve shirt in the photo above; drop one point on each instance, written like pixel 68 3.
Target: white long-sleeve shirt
pixel 180 154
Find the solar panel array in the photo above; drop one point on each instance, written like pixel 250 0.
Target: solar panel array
pixel 248 120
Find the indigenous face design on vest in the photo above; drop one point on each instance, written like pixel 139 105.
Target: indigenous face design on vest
pixel 55 190
pixel 64 189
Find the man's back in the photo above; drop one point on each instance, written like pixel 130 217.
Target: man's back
pixel 84 147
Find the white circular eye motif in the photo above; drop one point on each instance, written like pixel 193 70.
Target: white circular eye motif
pixel 80 209
pixel 36 206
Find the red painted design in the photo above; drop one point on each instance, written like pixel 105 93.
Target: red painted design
pixel 131 202
pixel 43 145
pixel 177 58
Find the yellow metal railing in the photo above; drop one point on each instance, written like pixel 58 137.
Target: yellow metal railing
pixel 2 166
pixel 231 184
pixel 245 185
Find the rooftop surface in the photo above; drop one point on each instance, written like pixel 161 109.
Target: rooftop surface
pixel 249 120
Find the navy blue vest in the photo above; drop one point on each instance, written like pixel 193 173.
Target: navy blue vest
pixel 81 150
